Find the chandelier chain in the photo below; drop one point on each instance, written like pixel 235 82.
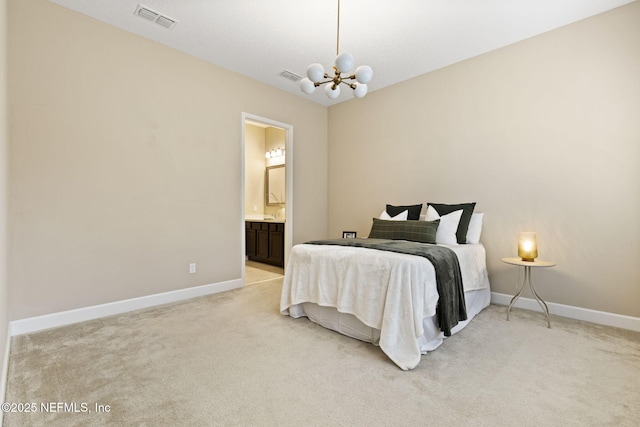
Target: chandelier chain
pixel 338 32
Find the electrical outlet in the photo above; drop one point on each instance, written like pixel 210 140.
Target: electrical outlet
pixel 192 268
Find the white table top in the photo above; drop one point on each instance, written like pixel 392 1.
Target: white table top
pixel 536 263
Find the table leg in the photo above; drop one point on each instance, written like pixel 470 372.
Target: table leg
pixel 543 305
pixel 519 289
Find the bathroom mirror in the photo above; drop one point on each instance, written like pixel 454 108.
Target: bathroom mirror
pixel 274 187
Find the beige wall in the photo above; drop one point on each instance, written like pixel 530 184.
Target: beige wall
pixel 258 140
pixel 126 163
pixel 254 169
pixel 4 294
pixel 544 135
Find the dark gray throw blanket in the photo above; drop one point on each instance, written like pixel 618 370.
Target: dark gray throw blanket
pixel 451 305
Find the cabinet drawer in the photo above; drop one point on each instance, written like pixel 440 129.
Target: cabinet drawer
pixel 276 227
pixel 266 226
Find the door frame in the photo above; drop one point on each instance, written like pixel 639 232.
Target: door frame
pixel 288 183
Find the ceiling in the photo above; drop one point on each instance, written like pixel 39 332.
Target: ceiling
pixel 399 39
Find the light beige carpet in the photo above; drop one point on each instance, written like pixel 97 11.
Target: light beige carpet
pixel 232 360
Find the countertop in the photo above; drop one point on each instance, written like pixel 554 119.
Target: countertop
pixel 276 221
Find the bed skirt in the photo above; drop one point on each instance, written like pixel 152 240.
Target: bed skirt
pixel 349 325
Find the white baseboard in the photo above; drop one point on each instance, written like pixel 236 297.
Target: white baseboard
pixel 593 316
pixel 53 320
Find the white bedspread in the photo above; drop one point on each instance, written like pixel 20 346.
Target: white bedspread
pixel 388 291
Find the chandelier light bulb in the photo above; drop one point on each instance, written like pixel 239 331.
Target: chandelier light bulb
pixel 364 74
pixel 332 92
pixel 344 62
pixel 361 90
pixel 315 72
pixel 307 86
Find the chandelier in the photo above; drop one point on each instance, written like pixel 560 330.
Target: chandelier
pixel 343 65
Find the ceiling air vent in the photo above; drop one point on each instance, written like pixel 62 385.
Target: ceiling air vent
pixel 291 76
pixel 165 22
pixel 146 13
pixel 153 16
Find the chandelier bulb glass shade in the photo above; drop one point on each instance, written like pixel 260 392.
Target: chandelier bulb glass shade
pixel 307 86
pixel 344 63
pixel 315 72
pixel 332 91
pixel 364 74
pixel 361 90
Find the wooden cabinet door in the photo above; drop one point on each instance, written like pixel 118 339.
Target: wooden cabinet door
pixel 276 244
pixel 262 244
pixel 276 247
pixel 250 242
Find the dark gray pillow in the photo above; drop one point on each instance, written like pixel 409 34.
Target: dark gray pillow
pixel 413 214
pixel 463 225
pixel 415 231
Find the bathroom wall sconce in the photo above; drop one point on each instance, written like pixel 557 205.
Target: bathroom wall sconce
pixel 274 153
pixel 527 246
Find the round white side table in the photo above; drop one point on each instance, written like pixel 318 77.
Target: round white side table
pixel 527 281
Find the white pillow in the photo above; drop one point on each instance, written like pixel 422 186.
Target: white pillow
pixel 475 228
pixel 402 216
pixel 446 233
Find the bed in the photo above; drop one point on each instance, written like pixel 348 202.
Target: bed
pixel 387 298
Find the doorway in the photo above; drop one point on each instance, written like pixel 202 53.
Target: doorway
pixel 261 211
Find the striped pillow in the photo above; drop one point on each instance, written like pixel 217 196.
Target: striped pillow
pixel 415 231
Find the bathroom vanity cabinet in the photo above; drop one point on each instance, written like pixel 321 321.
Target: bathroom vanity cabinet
pixel 264 241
